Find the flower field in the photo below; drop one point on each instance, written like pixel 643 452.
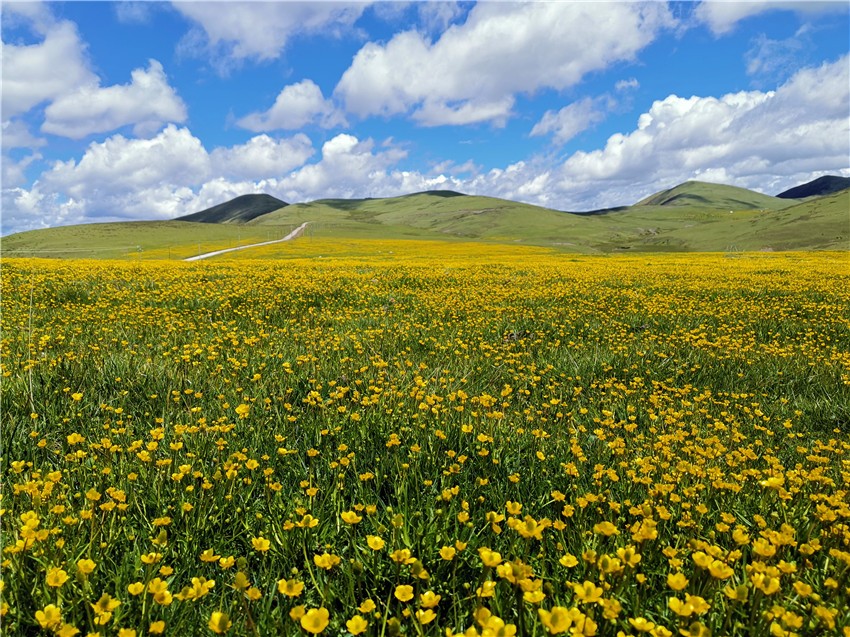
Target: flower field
pixel 482 441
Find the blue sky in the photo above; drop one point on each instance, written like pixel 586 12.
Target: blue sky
pixel 152 110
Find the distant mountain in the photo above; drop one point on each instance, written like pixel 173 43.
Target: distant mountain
pixel 718 196
pixel 821 186
pixel 691 217
pixel 239 210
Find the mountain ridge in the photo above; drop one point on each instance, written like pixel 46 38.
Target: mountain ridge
pixel 826 185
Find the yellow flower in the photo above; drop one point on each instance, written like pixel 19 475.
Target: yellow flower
pixel 641 624
pixel 315 620
pixel 157 628
pixel 367 606
pixel 448 553
pixel 85 566
pixel 533 597
pixel 605 528
pixel 802 589
pixel 326 560
pixel 253 593
pixel 76 397
pixel 720 570
pixel 677 581
pixel 227 562
pixel 260 544
pixel 488 557
pixel 696 629
pixel 568 560
pixel 297 612
pixel 737 593
pixel 375 543
pixel 428 599
pixel 587 592
pixel 210 556
pixel 106 604
pixel 350 517
pixel 556 621
pixel 242 410
pixel 136 588
pixel 356 625
pixel 56 577
pixel 290 588
pixel 67 630
pixel 425 616
pixel 49 617
pixel 151 558
pixel 126 632
pixel 219 622
pixel 403 593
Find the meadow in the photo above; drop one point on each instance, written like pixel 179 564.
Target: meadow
pixel 421 438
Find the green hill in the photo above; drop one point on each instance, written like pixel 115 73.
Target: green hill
pixel 239 210
pixel 691 217
pixel 719 196
pixel 819 187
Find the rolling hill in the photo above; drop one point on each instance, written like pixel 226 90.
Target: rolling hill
pixel 819 187
pixel 239 210
pixel 719 196
pixel 694 216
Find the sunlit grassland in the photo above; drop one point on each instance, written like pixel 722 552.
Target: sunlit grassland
pixel 425 439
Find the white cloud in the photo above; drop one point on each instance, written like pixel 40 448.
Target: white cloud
pixel 773 61
pixel 767 141
pixel 261 30
pixel 16 134
pixel 169 175
pixel 147 103
pixel 36 73
pixel 296 106
pixel 348 167
pixel 761 140
pixel 261 157
pixel 472 72
pixel 132 12
pixel 625 85
pixel 572 119
pixel 722 16
pixel 13 174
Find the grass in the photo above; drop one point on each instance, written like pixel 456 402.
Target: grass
pixel 426 438
pixel 135 240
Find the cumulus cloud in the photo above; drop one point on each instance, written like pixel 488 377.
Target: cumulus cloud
pixel 168 175
pixel 721 16
pixel 261 157
pixel 36 73
pixel 762 140
pixel 296 106
pixel 147 103
pixel 571 120
pixel 261 30
pixel 474 70
pixel 767 141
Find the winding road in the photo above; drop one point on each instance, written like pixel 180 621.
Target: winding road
pixel 288 237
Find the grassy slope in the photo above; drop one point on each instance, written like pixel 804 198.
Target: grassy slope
pixel 678 224
pixel 706 195
pixel 134 239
